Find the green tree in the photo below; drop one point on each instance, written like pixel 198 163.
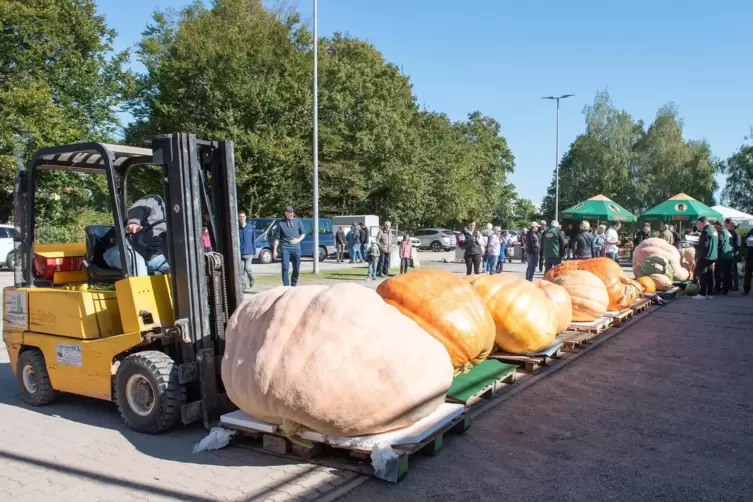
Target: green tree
pixel 59 83
pixel 738 192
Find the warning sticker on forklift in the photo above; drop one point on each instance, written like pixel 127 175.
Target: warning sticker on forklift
pixel 69 355
pixel 16 311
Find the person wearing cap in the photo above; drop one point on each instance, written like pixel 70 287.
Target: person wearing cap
pixel 533 248
pixel 289 235
pixel 552 245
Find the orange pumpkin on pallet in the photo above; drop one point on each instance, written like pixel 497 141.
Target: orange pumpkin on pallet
pixel 587 292
pixel 525 317
pixel 447 308
pixel 648 284
pixel 621 293
pixel 561 300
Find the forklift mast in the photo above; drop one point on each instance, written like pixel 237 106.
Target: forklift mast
pixel 200 191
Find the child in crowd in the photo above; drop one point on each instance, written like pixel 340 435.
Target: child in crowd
pixel 372 257
pixel 207 240
pixel 406 252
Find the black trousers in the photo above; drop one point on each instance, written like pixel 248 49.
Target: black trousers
pixel 472 263
pixel 705 274
pixel 748 271
pixel 723 276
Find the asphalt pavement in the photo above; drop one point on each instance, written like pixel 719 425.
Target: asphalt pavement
pixel 661 411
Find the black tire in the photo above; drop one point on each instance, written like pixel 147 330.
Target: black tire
pixel 31 366
pixel 265 256
pixel 10 261
pixel 436 246
pixel 163 391
pixel 323 254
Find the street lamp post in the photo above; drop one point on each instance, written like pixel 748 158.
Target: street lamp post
pixel 557 156
pixel 316 143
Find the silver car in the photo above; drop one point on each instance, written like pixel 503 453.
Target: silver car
pixel 436 239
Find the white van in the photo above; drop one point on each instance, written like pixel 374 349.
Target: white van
pixel 371 221
pixel 6 246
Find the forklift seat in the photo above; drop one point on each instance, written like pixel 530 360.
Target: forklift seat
pixel 98 239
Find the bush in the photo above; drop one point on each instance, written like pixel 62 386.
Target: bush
pixel 72 231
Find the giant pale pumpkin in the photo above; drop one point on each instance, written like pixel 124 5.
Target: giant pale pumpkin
pixel 656 246
pixel 525 317
pixel 337 360
pixel 560 269
pixel 656 264
pixel 448 308
pixel 648 284
pixel 663 283
pixel 561 300
pixel 587 292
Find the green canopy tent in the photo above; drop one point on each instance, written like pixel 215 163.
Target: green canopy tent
pixel 598 208
pixel 681 208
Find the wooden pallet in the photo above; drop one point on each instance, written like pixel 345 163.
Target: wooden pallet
pixel 481 383
pixel 531 363
pixel 353 454
pixel 620 317
pixel 574 340
pixel 597 326
pixel 640 305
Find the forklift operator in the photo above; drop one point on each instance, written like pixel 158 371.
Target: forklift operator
pixel 146 225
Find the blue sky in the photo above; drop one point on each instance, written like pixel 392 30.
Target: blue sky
pixel 500 57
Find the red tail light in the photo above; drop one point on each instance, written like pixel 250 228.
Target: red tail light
pixel 45 268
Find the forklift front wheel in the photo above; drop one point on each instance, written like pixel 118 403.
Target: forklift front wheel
pixel 147 392
pixel 33 379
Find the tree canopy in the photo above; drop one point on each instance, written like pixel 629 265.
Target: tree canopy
pixel 738 192
pixel 636 166
pixel 233 69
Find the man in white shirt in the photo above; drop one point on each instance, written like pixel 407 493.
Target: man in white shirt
pixel 612 241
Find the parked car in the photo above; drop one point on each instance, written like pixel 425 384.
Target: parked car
pixel 436 239
pixel 326 239
pixel 414 241
pixel 6 246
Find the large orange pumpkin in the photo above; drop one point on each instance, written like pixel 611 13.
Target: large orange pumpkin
pixel 447 308
pixel 648 284
pixel 561 300
pixel 587 292
pixel 622 294
pixel 525 317
pixel 560 269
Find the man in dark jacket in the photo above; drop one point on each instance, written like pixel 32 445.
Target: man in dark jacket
pixel 735 241
pixel 676 237
pixel 553 245
pixel 533 246
pixel 340 244
pixel 583 244
pixel 708 252
pixel 247 238
pixel 748 246
pixel 723 269
pixel 542 229
pixel 364 237
pixel 642 234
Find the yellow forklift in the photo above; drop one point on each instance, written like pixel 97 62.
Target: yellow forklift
pixel 151 343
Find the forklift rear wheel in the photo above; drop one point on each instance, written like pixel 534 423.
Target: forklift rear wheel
pixel 148 393
pixel 33 379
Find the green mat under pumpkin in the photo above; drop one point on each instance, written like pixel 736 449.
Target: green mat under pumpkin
pixel 465 386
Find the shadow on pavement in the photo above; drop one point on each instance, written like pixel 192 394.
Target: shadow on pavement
pixel 175 445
